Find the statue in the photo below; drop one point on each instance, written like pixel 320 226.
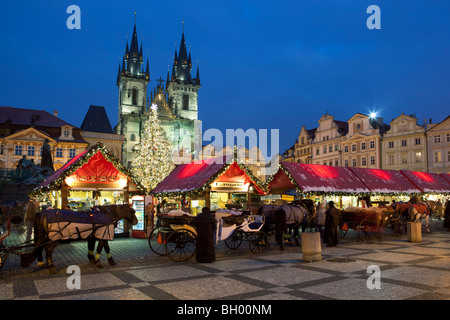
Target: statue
pixel 46 160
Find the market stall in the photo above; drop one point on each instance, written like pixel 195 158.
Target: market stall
pixel 214 183
pixel 319 182
pixel 433 186
pixel 386 185
pixel 94 177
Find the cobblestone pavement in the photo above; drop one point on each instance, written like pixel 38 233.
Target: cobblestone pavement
pixel 407 270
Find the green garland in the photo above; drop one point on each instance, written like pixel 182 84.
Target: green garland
pixel 99 147
pixel 330 193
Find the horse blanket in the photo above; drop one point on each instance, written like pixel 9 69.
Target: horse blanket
pixel 421 208
pixel 294 214
pixel 67 224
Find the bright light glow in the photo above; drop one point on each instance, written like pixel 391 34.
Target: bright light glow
pixel 71 180
pixel 154 107
pixel 373 115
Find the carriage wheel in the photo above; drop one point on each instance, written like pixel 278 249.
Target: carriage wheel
pixel 180 245
pixel 235 240
pixel 258 242
pixel 364 230
pixel 157 240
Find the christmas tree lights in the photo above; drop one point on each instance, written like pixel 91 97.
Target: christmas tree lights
pixel 153 161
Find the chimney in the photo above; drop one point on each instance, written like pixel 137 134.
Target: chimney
pixel 55 113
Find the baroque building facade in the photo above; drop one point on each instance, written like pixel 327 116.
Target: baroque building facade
pixel 404 145
pixel 438 146
pixel 177 101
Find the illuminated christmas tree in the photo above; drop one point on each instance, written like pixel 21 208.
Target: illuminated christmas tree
pixel 153 161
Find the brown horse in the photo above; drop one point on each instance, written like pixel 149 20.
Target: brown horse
pixel 53 225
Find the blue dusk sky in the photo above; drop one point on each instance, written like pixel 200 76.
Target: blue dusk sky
pixel 263 64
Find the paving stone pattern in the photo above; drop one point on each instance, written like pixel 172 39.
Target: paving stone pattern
pixel 408 271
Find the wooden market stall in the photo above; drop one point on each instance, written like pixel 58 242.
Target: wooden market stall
pixel 432 185
pixel 386 185
pixel 319 182
pixel 211 183
pixel 94 177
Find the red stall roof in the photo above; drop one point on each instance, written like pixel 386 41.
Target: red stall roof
pixel 317 178
pixel 96 165
pixel 193 177
pixel 428 182
pixel 446 176
pixel 385 181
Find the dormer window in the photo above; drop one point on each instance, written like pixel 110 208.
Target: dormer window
pixel 66 133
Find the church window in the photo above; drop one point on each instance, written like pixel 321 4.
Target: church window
pixel 185 102
pixel 134 97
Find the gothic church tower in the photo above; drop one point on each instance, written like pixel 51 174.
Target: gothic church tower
pixel 132 81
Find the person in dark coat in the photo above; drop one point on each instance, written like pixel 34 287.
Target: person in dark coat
pixel 447 215
pixel 331 225
pixel 205 224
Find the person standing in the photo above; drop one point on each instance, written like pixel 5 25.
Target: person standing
pixel 30 216
pixel 439 209
pixel 205 224
pixel 447 215
pixel 331 225
pixel 320 216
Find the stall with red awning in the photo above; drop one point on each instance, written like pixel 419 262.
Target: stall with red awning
pixel 95 169
pixel 209 179
pixel 385 181
pixel 318 179
pixel 428 182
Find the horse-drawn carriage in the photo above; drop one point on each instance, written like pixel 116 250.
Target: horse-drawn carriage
pixel 176 236
pixel 366 221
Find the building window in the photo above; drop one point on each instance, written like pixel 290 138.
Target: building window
pixel 418 156
pixel 336 163
pixel 346 163
pixel 404 143
pixel 404 158
pixel 448 156
pixel 346 149
pixel 71 153
pixel 330 148
pixel 317 151
pixel 324 150
pixel 336 147
pixel 31 151
pixel 353 147
pixel 437 139
pixel 391 159
pixel 391 144
pixel 18 150
pixel 2 149
pixel 354 163
pixel 372 160
pixel 372 144
pixel 59 152
pixel 185 102
pixel 363 146
pixel 448 137
pixel 437 156
pixel 134 97
pixel 364 161
pixel 418 141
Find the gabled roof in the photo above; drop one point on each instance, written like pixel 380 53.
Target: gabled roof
pixel 195 177
pixel 96 120
pixel 93 163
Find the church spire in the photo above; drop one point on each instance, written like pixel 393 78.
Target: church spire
pixel 134 55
